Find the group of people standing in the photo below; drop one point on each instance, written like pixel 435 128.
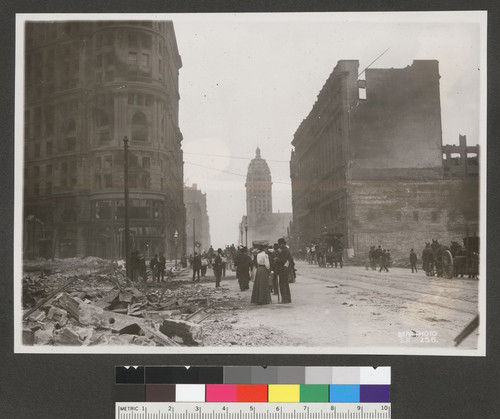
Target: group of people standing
pixel 201 262
pixel 379 256
pixel 157 266
pixel 273 269
pixel 138 269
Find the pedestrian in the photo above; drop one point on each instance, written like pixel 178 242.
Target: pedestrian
pixel 196 266
pixel 135 265
pixel 217 266
pixel 274 267
pixel 153 267
pixel 142 268
pixel 283 266
pixel 224 263
pixel 204 265
pixel 243 264
pixel 413 261
pixel 383 261
pixel 260 292
pixel 162 262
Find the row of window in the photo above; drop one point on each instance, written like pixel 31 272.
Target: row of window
pixel 138 209
pixel 67 168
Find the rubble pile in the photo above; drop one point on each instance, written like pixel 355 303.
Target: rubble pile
pixel 86 302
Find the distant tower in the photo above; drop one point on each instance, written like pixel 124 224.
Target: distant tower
pixel 259 186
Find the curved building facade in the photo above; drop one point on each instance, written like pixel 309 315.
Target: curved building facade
pixel 89 85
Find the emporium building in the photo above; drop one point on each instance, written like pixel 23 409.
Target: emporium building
pixel 87 86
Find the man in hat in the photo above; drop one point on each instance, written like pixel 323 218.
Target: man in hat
pixel 283 267
pixel 243 264
pixel 217 266
pixel 196 266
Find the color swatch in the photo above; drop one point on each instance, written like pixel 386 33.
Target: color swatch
pixel 253 384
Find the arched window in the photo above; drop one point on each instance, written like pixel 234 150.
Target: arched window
pixel 70 126
pixel 102 119
pixel 70 135
pixel 139 127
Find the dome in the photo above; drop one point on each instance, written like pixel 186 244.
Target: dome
pixel 258 168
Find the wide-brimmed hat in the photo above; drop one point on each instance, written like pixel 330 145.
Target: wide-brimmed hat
pixel 281 241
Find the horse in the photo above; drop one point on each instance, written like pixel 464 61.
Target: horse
pixel 443 259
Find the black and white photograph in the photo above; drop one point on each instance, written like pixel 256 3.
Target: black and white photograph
pixel 251 183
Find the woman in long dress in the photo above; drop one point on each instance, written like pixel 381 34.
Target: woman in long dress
pixel 260 292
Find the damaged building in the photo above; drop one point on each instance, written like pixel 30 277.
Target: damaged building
pixel 368 163
pixel 88 85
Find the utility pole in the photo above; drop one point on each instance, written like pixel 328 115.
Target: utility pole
pixel 194 236
pixel 127 226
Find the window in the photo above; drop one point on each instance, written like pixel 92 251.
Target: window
pixel 102 119
pixel 70 143
pixel 146 181
pixel 98 61
pixel 415 215
pixel 149 100
pixel 110 75
pixel 145 60
pixel 37 150
pixel 108 39
pixel 146 162
pixel 48 188
pixel 139 127
pixel 98 78
pixel 146 41
pixel 97 182
pixel 48 170
pixel 48 148
pixel 36 171
pixel 132 40
pixel 36 189
pixel 108 181
pixel 108 162
pixel 132 58
pixel 98 163
pixel 110 58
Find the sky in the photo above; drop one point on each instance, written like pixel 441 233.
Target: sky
pixel 248 80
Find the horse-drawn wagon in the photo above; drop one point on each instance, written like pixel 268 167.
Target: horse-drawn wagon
pixel 456 260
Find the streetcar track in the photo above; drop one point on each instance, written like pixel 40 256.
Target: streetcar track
pixel 443 283
pixel 470 311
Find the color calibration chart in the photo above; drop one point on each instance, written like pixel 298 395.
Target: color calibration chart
pixel 162 392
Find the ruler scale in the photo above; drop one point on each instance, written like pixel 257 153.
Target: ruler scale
pixel 160 410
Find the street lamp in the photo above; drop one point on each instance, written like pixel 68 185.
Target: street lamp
pixel 176 235
pixel 126 215
pixel 246 234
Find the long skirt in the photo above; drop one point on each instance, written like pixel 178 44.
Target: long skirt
pixel 260 292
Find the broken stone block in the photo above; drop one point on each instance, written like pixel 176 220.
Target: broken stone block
pixel 58 315
pixel 28 337
pixel 190 333
pixel 43 337
pixel 66 337
pixel 37 316
pixel 68 303
pixel 89 314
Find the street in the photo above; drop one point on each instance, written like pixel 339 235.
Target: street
pixel 353 307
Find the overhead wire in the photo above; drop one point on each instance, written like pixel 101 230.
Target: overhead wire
pixel 230 173
pixel 233 157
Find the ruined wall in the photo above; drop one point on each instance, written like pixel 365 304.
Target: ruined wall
pixel 401 215
pixel 396 131
pixel 265 226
